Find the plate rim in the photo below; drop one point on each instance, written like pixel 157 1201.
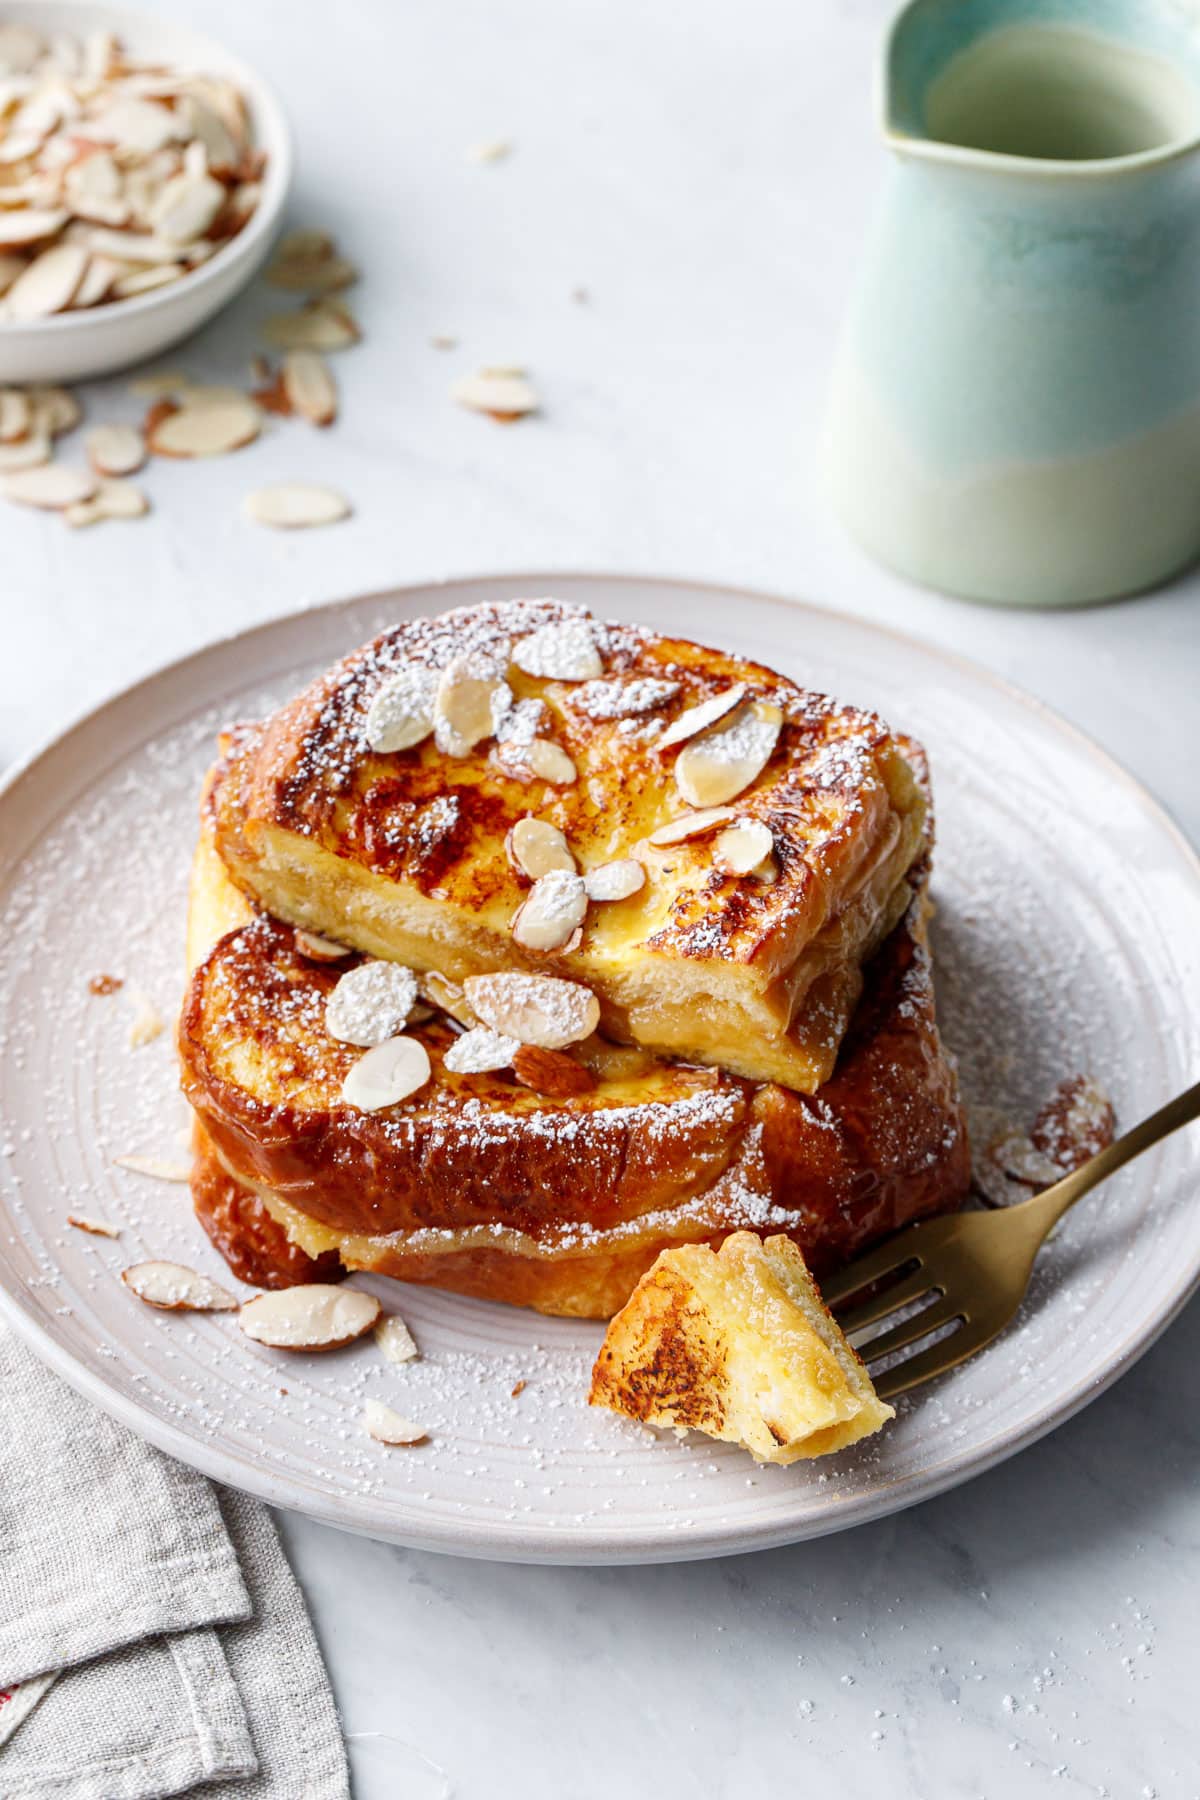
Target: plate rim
pixel 591 1545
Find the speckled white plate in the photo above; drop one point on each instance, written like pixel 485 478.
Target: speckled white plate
pixel 1067 939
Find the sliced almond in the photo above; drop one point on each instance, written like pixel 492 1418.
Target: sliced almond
pixel 320 949
pixel 536 848
pixel 314 1316
pixel 48 284
pixel 31 225
pixel 209 130
pixel 446 996
pixel 309 386
pixel 551 1072
pixel 387 1074
pixel 134 124
pixel 480 1050
pixel 312 275
pixel 52 486
pixel 144 281
pixel 147 1023
pixel 370 1004
pixel 534 1009
pixel 466 705
pixel 115 449
pixel 386 1426
pixel 692 825
pixel 206 429
pixel 164 385
pixel 401 713
pixel 139 247
pixel 490 151
pixel 322 325
pixel 186 207
pixel 15 416
pixel 98 279
pixel 625 699
pixel 699 718
pixel 55 410
pixel 504 394
pixel 156 1167
pixel 295 506
pixel 95 1227
pixel 306 244
pixel 176 1288
pixel 395 1340
pixel 112 500
pixel 724 763
pixel 615 880
pixel 766 872
pixel 10 267
pixel 742 847
pixel 550 762
pixel 565 651
pixel 552 913
pixel 28 453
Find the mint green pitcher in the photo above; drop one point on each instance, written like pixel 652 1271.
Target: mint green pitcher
pixel 1015 408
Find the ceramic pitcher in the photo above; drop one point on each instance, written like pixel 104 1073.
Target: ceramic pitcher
pixel 1015 411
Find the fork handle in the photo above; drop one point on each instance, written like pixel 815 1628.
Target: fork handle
pixel 1056 1200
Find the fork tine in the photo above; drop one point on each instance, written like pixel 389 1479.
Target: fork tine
pixel 887 1259
pixel 936 1360
pixel 888 1300
pixel 930 1318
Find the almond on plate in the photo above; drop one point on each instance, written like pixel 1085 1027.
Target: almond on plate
pixel 316 1316
pixel 175 1288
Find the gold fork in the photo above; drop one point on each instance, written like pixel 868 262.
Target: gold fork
pixel 977 1264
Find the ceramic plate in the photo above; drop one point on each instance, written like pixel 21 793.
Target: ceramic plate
pixel 1067 940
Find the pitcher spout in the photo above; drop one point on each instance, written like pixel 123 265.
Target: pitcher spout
pixel 1030 86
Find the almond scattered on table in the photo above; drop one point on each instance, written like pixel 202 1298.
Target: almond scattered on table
pixel 295 506
pixel 51 486
pixel 115 449
pixel 504 394
pixel 309 386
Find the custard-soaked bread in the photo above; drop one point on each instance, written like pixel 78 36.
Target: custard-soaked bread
pixel 561 1202
pixel 737 1344
pixel 530 709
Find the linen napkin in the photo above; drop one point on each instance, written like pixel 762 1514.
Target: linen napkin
pixel 152 1638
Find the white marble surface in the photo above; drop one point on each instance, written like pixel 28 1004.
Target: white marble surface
pixel 705 172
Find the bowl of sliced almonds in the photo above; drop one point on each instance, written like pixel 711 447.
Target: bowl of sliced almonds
pixel 143 173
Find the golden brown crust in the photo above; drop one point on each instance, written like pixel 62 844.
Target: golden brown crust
pixel 256 1246
pixel 403 854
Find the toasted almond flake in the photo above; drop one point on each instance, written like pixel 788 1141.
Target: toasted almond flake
pixel 468 700
pixel 401 713
pixel 55 410
pixel 743 846
pixel 52 486
pixel 320 949
pixel 699 718
pixel 322 325
pixel 15 416
pixel 144 281
pixel 133 124
pixel 155 1167
pixel 536 847
pixel 386 1426
pixel 295 505
pixel 615 880
pixel 112 500
pixel 722 764
pixel 534 1009
pixel 96 1227
pixel 186 207
pixel 491 150
pixel 309 385
pixel 446 996
pixel 207 429
pixel 48 284
pixel 766 872
pixel 315 1316
pixel 29 453
pixel 208 130
pixel 479 1050
pixel 164 385
pixel 395 1340
pixel 98 279
pixel 31 225
pixel 176 1288
pixel 387 1074
pixel 552 913
pixel 504 394
pixel 312 275
pixel 551 1072
pixel 550 762
pixel 305 244
pixel 115 449
pixel 692 825
pixel 370 1003
pixel 564 651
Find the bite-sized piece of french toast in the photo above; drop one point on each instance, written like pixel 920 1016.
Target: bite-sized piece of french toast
pixel 738 1344
pixel 711 849
pixel 558 1200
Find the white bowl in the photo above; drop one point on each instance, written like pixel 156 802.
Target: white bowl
pixel 72 346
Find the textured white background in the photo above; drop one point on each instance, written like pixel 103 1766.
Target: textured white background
pixel 706 172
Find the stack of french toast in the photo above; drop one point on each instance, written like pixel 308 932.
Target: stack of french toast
pixel 527 947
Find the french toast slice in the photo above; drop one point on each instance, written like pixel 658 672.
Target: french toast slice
pixel 487 1187
pixel 737 1344
pixel 406 854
